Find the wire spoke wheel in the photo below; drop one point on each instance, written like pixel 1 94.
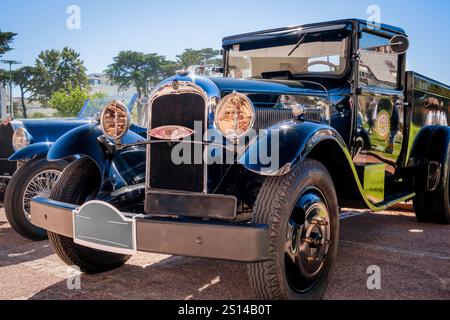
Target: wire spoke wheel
pixel 39 186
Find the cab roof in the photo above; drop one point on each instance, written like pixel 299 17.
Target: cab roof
pixel 275 33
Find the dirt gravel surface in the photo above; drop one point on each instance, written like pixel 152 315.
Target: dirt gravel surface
pixel 413 258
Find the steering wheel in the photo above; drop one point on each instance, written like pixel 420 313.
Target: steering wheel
pixel 326 63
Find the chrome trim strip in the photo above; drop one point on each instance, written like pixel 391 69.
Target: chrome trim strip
pixel 209 144
pixel 6 177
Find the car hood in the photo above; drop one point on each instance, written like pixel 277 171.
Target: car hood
pixel 267 86
pixel 48 130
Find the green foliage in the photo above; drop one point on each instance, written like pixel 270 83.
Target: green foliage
pixel 58 71
pixel 6 38
pixel 57 115
pixel 23 78
pixel 68 103
pixel 4 76
pixel 38 115
pixel 143 71
pixel 98 96
pixel 192 57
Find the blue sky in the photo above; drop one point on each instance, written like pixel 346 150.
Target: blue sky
pixel 168 27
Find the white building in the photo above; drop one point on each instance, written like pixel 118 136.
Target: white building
pixel 99 83
pixel 4 97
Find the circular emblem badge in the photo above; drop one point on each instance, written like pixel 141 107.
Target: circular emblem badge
pixel 175 85
pixel 383 125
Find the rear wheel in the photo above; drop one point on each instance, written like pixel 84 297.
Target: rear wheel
pixel 433 206
pixel 34 178
pixel 80 183
pixel 301 210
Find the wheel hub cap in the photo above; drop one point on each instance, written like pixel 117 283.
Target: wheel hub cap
pixel 307 240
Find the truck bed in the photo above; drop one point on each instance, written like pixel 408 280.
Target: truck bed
pixel 429 99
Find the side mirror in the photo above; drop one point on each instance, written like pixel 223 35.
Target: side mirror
pixel 399 44
pixel 218 69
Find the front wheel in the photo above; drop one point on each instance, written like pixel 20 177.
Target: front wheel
pixel 302 212
pixel 35 178
pixel 80 183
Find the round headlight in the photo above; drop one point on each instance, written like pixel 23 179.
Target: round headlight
pixel 235 115
pixel 115 120
pixel 20 139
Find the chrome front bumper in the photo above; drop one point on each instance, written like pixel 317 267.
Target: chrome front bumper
pixel 99 226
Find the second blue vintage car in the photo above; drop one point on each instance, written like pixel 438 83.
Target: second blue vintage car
pixel 35 176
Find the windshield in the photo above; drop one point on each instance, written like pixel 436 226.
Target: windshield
pixel 208 70
pixel 323 53
pixel 95 105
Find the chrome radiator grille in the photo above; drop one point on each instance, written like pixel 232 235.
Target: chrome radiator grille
pixel 266 117
pixel 175 110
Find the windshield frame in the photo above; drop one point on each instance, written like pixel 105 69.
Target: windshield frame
pixel 349 28
pixel 86 104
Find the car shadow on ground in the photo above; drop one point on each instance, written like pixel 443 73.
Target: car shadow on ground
pixel 414 259
pixel 16 250
pixel 172 278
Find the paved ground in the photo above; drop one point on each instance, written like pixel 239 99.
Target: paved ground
pixel 414 260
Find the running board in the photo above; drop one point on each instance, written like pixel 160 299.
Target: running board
pixel 390 203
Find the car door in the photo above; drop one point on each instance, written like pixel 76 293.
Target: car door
pixel 380 118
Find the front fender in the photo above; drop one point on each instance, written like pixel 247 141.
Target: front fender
pixel 31 151
pixel 283 146
pixel 83 141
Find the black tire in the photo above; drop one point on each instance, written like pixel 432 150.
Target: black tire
pixel 423 213
pixel 433 206
pixel 14 204
pixel 275 203
pixel 79 183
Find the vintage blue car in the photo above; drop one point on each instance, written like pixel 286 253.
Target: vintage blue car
pixel 35 176
pixel 255 166
pixel 7 168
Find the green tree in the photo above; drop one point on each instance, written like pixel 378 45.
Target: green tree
pixel 58 71
pixel 6 38
pixel 38 115
pixel 191 57
pixel 143 71
pixel 68 102
pixel 23 78
pixel 4 76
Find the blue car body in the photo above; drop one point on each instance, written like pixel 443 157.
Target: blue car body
pixel 42 133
